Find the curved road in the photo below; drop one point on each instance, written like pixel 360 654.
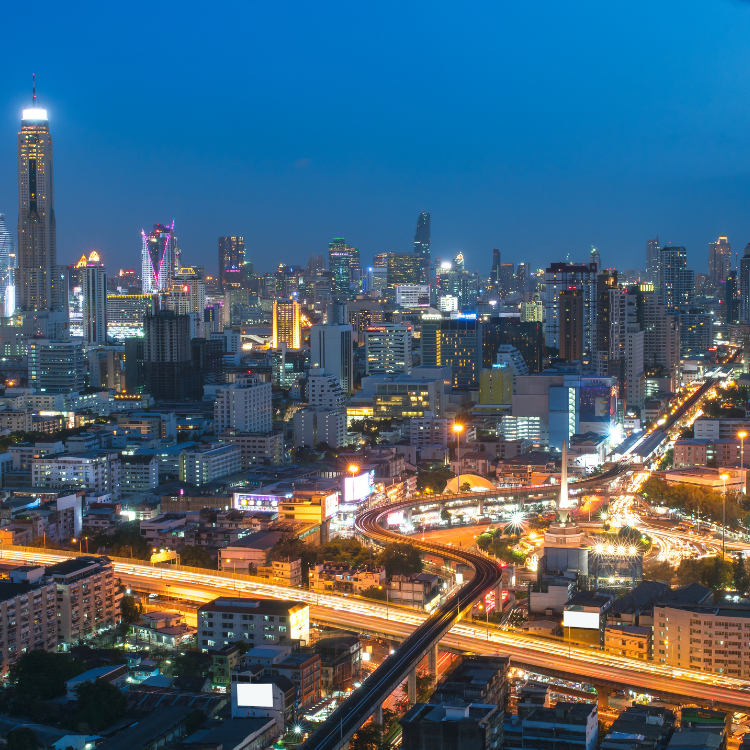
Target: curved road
pixel 355 710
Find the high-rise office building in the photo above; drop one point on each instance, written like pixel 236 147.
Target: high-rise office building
pixel 388 349
pixel 7 270
pixel 561 276
pixel 286 324
pixel 676 279
pixel 168 368
pixel 626 344
pixel 56 366
pixel 522 277
pixel 94 290
pixel 125 314
pixel 37 233
pixel 495 272
pixel 661 345
pixel 527 337
pixel 533 311
pixel 506 277
pixel 571 324
pixel 422 243
pixel 653 262
pixel 332 350
pixel 745 286
pixel 231 261
pixel 719 262
pixel 732 298
pixel 461 350
pixel 381 260
pixel 429 341
pixel 605 282
pixel 595 259
pixel 160 258
pixel 244 405
pixel 403 268
pixel 344 264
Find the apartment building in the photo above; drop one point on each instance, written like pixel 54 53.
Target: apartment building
pixel 92 471
pixel 699 451
pixel 631 641
pixel 88 601
pixel 202 465
pixel 344 578
pixel 710 638
pixel 256 449
pixel 28 617
pixel 284 572
pixel 138 473
pixel 245 406
pixel 255 621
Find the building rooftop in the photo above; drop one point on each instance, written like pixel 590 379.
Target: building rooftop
pixel 230 733
pixel 74 565
pixel 252 606
pixel 563 712
pixel 691 593
pixel 260 540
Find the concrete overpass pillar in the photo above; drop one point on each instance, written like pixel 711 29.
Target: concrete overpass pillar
pixel 407 516
pixel 377 717
pixel 432 663
pixel 480 507
pixel 411 687
pixel 602 696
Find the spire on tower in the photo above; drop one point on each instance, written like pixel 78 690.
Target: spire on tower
pixel 33 89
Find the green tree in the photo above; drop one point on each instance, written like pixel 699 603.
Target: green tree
pixel 100 705
pixel 433 480
pixel 43 674
pixel 484 541
pixel 739 573
pixel 196 557
pixel 125 541
pixel 400 557
pixel 709 571
pixel 22 738
pixel 194 721
pixel 375 592
pixel 130 609
pixel 346 550
pixel 465 487
pixel 445 515
pixel 658 570
pixel 368 737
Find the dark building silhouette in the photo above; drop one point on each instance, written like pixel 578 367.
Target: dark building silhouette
pixel 422 243
pixel 732 298
pixel 231 262
pixel 168 368
pixel 495 272
pixel 571 324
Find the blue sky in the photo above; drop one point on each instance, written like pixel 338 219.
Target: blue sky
pixel 540 128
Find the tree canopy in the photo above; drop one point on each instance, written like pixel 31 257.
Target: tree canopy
pixel 196 557
pixel 709 571
pixel 43 674
pixel 100 705
pixel 400 557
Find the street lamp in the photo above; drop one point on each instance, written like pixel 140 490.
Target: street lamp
pixel 724 478
pixel 458 429
pixel 742 435
pixel 386 600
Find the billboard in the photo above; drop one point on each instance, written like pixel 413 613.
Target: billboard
pixel 254 695
pixel 587 620
pixel 244 501
pixel 396 518
pixel 358 488
pixel 331 505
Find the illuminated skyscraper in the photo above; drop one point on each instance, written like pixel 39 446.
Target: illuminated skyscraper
pixel 719 261
pixel 160 258
pixel 422 243
pixel 677 281
pixel 94 290
pixel 231 261
pixel 286 324
pixel 653 262
pixel 37 241
pixel 596 258
pixel 7 269
pixel 344 264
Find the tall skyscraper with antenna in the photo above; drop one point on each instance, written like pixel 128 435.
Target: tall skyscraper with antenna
pixel 160 256
pixel 36 287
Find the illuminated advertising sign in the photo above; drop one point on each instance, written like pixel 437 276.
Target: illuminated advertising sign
pixel 266 503
pixel 489 601
pixel 586 620
pixel 396 519
pixel 254 695
pixel 331 505
pixel 358 488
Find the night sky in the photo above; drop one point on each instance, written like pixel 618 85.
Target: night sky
pixel 541 128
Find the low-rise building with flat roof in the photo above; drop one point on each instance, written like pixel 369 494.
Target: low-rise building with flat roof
pixel 255 621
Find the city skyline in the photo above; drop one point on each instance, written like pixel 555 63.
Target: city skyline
pixel 302 178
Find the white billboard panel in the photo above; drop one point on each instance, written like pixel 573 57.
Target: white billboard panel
pixel 589 620
pixel 254 696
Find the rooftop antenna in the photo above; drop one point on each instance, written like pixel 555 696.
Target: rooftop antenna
pixel 33 89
